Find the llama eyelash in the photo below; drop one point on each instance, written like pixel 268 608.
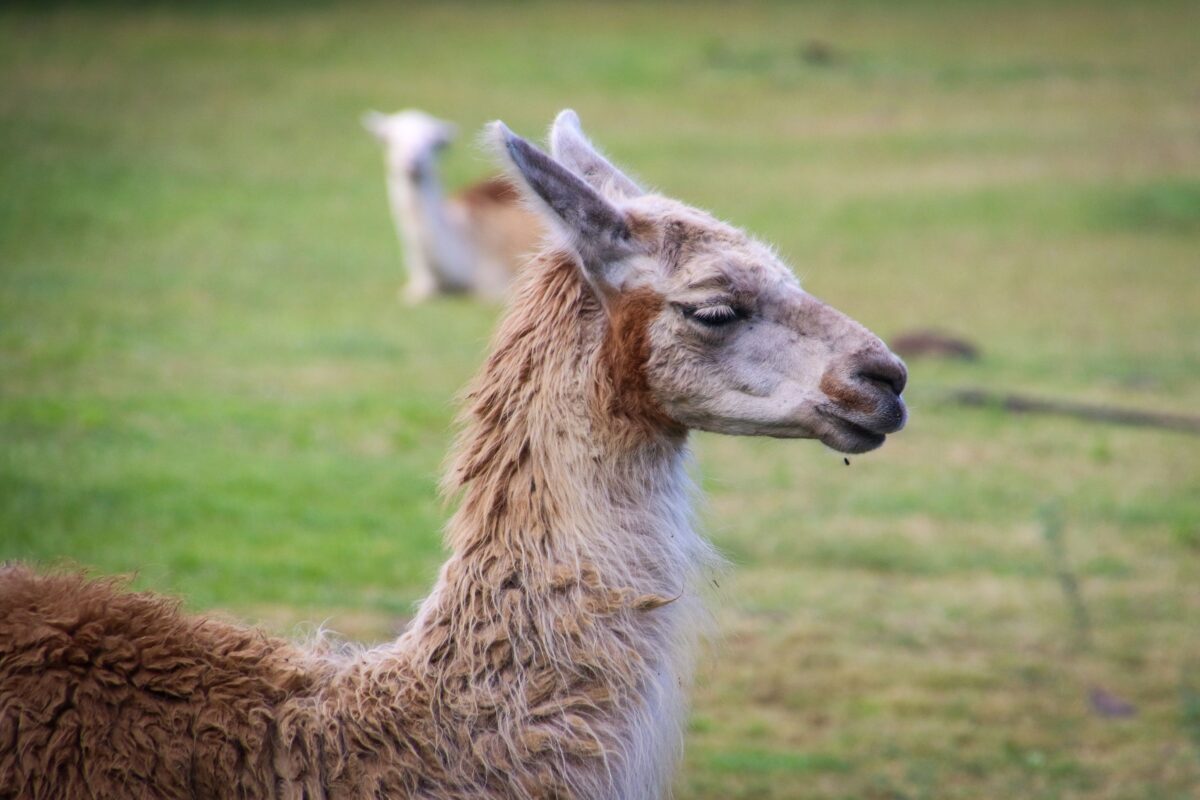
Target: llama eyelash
pixel 713 316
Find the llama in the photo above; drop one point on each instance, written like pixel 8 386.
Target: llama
pixel 554 653
pixel 471 243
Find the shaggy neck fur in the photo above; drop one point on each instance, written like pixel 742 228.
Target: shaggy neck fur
pixel 560 631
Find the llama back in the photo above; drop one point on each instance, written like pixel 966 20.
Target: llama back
pixel 505 233
pixel 107 693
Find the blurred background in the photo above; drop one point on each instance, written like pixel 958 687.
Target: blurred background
pixel 207 379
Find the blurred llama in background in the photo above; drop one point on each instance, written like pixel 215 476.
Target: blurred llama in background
pixel 472 242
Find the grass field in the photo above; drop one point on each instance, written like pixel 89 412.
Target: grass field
pixel 206 377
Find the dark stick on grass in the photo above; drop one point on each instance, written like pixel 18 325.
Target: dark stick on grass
pixel 1054 534
pixel 1023 404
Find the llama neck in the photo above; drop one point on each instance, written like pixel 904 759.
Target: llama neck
pixel 549 465
pixel 434 249
pixel 566 613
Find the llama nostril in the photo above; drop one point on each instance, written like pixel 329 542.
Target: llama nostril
pixel 888 373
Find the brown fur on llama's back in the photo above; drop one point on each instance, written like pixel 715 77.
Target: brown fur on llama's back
pixel 501 224
pixel 110 694
pixel 106 693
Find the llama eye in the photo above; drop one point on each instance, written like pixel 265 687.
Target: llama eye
pixel 713 316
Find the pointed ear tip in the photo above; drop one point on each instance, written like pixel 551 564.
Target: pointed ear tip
pixel 497 132
pixel 568 117
pixel 498 138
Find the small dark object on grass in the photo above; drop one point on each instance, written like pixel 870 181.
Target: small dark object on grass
pixel 817 52
pixel 846 460
pixel 933 344
pixel 1106 704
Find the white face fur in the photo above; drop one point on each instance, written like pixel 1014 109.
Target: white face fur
pixel 411 138
pixel 736 346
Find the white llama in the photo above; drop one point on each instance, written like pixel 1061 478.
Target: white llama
pixel 472 242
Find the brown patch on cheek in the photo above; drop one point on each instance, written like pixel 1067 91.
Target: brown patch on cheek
pixel 846 395
pixel 625 354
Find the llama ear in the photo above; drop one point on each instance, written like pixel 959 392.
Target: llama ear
pixel 376 124
pixel 597 230
pixel 571 148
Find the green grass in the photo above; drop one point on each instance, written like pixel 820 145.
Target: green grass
pixel 206 378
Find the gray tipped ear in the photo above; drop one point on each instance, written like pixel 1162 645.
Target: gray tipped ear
pixel 597 230
pixel 571 148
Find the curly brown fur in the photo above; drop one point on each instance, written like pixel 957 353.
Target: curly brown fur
pixel 105 693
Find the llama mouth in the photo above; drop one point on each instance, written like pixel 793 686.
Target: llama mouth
pixel 848 437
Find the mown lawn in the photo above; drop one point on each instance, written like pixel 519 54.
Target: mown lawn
pixel 206 377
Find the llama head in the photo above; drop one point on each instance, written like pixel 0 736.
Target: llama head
pixel 410 138
pixel 717 329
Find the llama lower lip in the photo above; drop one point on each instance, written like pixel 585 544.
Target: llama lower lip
pixel 850 437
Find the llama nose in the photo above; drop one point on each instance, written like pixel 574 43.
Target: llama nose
pixel 885 371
